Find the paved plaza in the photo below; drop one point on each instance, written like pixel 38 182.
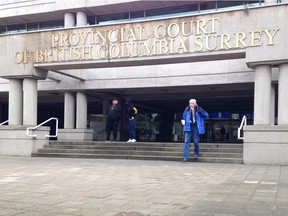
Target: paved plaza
pixel 58 186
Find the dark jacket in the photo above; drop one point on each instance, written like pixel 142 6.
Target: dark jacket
pixel 131 110
pixel 200 116
pixel 115 113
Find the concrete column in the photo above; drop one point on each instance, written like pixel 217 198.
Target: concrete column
pixel 15 102
pixel 69 110
pixel 30 101
pixel 283 94
pixel 69 20
pixel 81 18
pixel 81 110
pixel 262 95
pixel 272 108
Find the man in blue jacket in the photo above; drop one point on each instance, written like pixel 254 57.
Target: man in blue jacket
pixel 193 123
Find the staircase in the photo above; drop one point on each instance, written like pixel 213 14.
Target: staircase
pixel 209 152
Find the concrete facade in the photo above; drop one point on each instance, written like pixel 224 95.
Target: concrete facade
pixel 233 47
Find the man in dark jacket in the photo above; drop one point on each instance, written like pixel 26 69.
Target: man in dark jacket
pixel 193 124
pixel 113 114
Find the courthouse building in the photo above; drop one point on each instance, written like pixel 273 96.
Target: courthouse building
pixel 68 59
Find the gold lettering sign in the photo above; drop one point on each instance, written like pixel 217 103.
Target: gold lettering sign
pixel 141 41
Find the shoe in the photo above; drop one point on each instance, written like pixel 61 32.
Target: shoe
pixel 133 140
pixel 195 157
pixel 107 140
pixel 114 141
pixel 129 140
pixel 184 160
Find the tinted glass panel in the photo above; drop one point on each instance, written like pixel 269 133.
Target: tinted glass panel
pixel 226 4
pixel 16 28
pixel 91 20
pixel 51 24
pixel 172 10
pixel 209 6
pixel 136 15
pixel 2 29
pixel 32 26
pixel 113 18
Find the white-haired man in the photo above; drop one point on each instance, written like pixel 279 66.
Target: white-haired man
pixel 193 124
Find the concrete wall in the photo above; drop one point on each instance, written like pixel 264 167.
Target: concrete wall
pixel 202 73
pixel 15 142
pixel 259 47
pixel 265 144
pixel 10 8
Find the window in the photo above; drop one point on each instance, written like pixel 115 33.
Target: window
pixel 32 26
pixel 91 20
pixel 113 18
pixel 2 29
pixel 137 15
pixel 165 12
pixel 51 24
pixel 201 7
pixel 236 4
pixel 16 28
pixel 208 6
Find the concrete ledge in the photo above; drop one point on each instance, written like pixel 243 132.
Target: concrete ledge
pixel 261 146
pixel 15 142
pixel 81 134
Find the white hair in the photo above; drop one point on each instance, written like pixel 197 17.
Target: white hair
pixel 192 100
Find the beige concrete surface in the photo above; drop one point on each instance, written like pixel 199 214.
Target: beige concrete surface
pixel 56 186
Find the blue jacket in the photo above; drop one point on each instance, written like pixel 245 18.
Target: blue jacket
pixel 200 116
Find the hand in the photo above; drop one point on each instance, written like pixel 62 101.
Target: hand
pixel 183 122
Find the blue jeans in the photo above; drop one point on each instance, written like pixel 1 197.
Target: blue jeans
pixel 193 133
pixel 132 128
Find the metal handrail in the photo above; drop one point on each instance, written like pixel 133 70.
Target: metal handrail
pixel 243 122
pixel 37 126
pixel 4 122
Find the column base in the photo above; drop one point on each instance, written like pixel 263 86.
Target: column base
pixel 15 142
pixel 81 134
pixel 265 144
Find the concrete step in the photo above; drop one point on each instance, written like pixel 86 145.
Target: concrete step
pixel 209 152
pixel 138 157
pixel 153 144
pixel 143 148
pixel 139 152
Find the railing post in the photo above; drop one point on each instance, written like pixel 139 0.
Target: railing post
pixel 243 122
pixel 37 126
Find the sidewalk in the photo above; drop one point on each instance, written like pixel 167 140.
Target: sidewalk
pixel 92 187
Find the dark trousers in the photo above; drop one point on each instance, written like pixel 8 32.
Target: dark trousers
pixel 111 126
pixel 132 128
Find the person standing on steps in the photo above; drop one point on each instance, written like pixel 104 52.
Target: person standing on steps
pixel 113 114
pixel 131 114
pixel 193 126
